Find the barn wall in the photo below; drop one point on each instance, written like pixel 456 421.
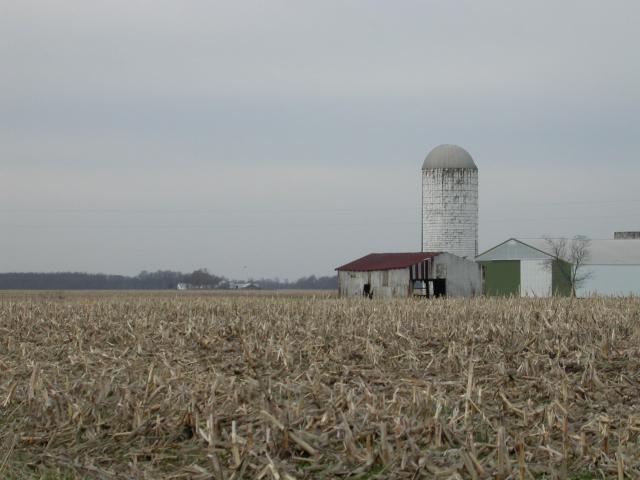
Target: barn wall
pixel 393 283
pixel 561 275
pixel 450 211
pixel 611 280
pixel 524 278
pixel 350 284
pixel 502 278
pixel 535 278
pixel 464 277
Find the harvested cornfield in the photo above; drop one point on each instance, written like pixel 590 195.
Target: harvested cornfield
pixel 228 387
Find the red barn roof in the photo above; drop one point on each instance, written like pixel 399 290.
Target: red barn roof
pixel 386 261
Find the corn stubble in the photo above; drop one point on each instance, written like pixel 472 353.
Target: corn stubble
pixel 229 387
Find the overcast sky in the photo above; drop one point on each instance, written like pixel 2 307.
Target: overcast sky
pixel 287 137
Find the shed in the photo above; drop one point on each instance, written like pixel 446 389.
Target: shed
pixel 516 268
pixel 386 275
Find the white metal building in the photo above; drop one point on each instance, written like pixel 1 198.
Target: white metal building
pixel 385 275
pixel 614 267
pixel 521 267
pixel 450 202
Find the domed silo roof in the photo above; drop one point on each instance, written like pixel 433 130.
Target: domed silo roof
pixel 448 156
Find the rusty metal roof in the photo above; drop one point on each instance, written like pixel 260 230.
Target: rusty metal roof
pixel 386 261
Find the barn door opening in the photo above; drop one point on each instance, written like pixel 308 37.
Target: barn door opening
pixel 439 287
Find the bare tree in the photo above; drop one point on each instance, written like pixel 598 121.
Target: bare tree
pixel 571 257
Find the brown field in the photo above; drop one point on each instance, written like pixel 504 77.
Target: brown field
pixel 211 386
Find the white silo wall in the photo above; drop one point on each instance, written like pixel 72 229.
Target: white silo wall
pixel 450 211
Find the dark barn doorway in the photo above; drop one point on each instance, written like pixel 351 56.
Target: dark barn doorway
pixel 439 287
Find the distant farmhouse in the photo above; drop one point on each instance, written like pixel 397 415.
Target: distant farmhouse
pixel 245 286
pixel 225 285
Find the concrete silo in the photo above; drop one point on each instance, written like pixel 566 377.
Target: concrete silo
pixel 450 202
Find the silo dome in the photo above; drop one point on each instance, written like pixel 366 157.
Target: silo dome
pixel 448 156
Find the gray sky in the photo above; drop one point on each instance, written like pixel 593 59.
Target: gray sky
pixel 288 137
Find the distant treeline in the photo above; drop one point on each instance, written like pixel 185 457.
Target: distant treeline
pixel 160 280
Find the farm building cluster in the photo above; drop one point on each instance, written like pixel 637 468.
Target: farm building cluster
pixel 450 265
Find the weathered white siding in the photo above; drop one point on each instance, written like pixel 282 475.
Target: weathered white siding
pixel 464 277
pixel 450 211
pixel 384 283
pixel 535 278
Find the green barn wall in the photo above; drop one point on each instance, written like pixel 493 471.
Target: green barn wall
pixel 560 281
pixel 501 278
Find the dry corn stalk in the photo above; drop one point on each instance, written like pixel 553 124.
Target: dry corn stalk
pixel 157 385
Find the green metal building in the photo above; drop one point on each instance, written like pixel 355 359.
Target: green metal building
pixel 514 268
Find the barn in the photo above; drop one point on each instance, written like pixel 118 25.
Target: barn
pixel 518 268
pixel 385 275
pixel 522 268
